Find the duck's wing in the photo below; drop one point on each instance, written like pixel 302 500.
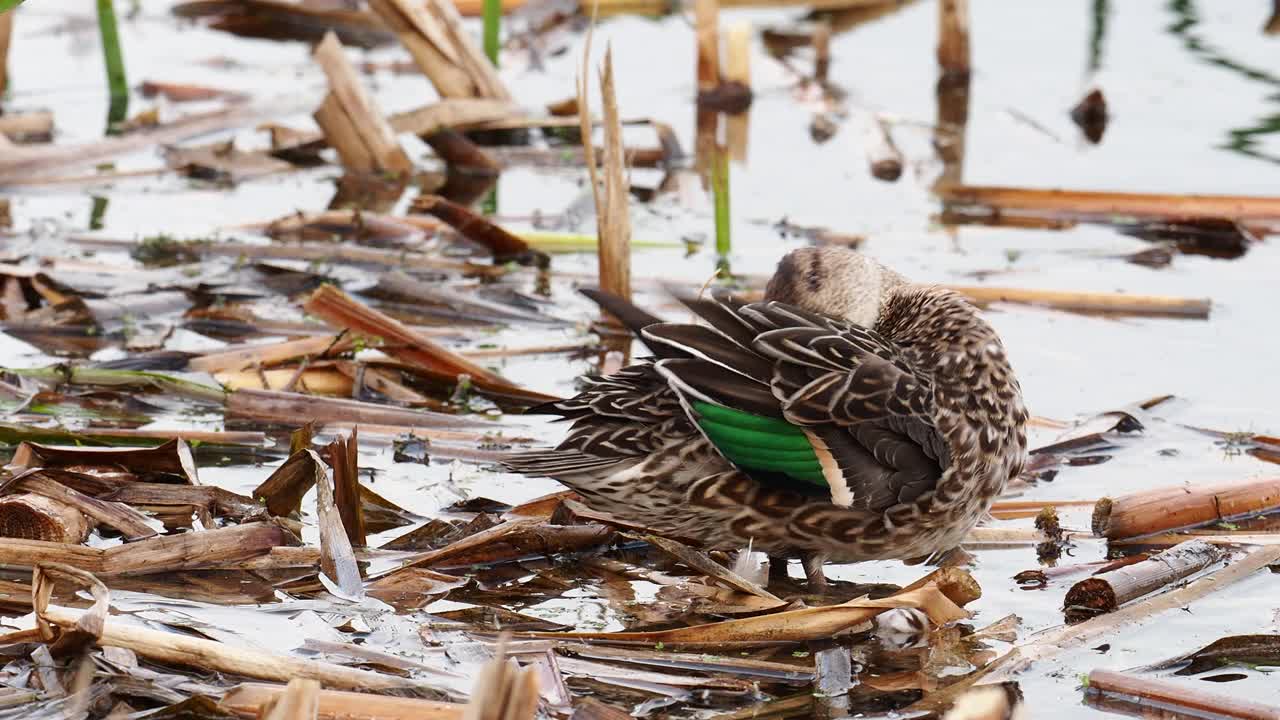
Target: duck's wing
pixel 780 390
pixel 616 419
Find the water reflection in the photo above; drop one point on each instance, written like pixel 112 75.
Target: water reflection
pixel 1244 140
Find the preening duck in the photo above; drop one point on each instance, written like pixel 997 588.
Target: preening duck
pixel 851 415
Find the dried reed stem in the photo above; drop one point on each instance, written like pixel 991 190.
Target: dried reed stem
pixel 248 698
pixel 207 655
pixel 1091 302
pixel 953 37
pixel 1177 698
pixel 1176 508
pixel 351 120
pixel 1107 205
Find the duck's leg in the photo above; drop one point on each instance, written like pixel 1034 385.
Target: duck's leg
pixel 778 573
pixel 813 563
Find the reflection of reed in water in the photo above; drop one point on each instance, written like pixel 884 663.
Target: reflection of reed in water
pixel 1240 140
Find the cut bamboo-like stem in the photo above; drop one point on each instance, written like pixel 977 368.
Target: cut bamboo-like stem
pixel 1177 508
pixel 1094 302
pixel 1110 590
pixel 247 699
pixel 348 98
pixel 737 70
pixel 299 701
pixel 35 517
pixel 1177 698
pixel 188 651
pixel 1107 205
pixel 432 32
pixel 953 37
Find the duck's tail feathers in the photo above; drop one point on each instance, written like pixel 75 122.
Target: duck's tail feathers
pixel 559 463
pixel 633 317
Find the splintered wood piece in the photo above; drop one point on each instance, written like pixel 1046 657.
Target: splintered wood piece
pixel 1173 696
pixel 343 456
pixel 247 698
pixel 337 559
pixel 206 655
pixel 29 516
pixel 1177 508
pixel 432 32
pixel 1107 591
pixel 348 100
pixel 1107 205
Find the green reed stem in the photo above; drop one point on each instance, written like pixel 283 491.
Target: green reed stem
pixel 492 26
pixel 117 84
pixel 720 198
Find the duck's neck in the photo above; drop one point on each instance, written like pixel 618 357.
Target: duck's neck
pixel 978 402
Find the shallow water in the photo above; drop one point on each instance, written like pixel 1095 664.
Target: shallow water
pixel 1194 109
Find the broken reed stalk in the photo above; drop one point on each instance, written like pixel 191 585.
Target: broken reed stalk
pixel 113 59
pixel 337 559
pixel 1108 205
pixel 342 311
pixel 1179 508
pixel 1175 698
pixel 265 355
pixel 343 456
pixel 1107 591
pixel 706 22
pixel 1091 302
pixel 247 700
pixel 492 29
pixel 205 655
pixel 953 37
pixel 351 120
pixel 432 32
pixel 613 218
pixel 883 155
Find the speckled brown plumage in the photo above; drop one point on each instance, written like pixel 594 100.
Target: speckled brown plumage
pixel 904 391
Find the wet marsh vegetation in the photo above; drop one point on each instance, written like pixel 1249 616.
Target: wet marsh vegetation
pixel 278 281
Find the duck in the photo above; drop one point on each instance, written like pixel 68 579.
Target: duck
pixel 850 415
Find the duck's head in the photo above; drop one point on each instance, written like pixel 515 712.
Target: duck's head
pixel 834 281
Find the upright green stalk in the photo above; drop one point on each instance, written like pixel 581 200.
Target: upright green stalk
pixel 116 82
pixel 720 198
pixel 492 26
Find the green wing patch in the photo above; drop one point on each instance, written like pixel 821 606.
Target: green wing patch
pixel 754 442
